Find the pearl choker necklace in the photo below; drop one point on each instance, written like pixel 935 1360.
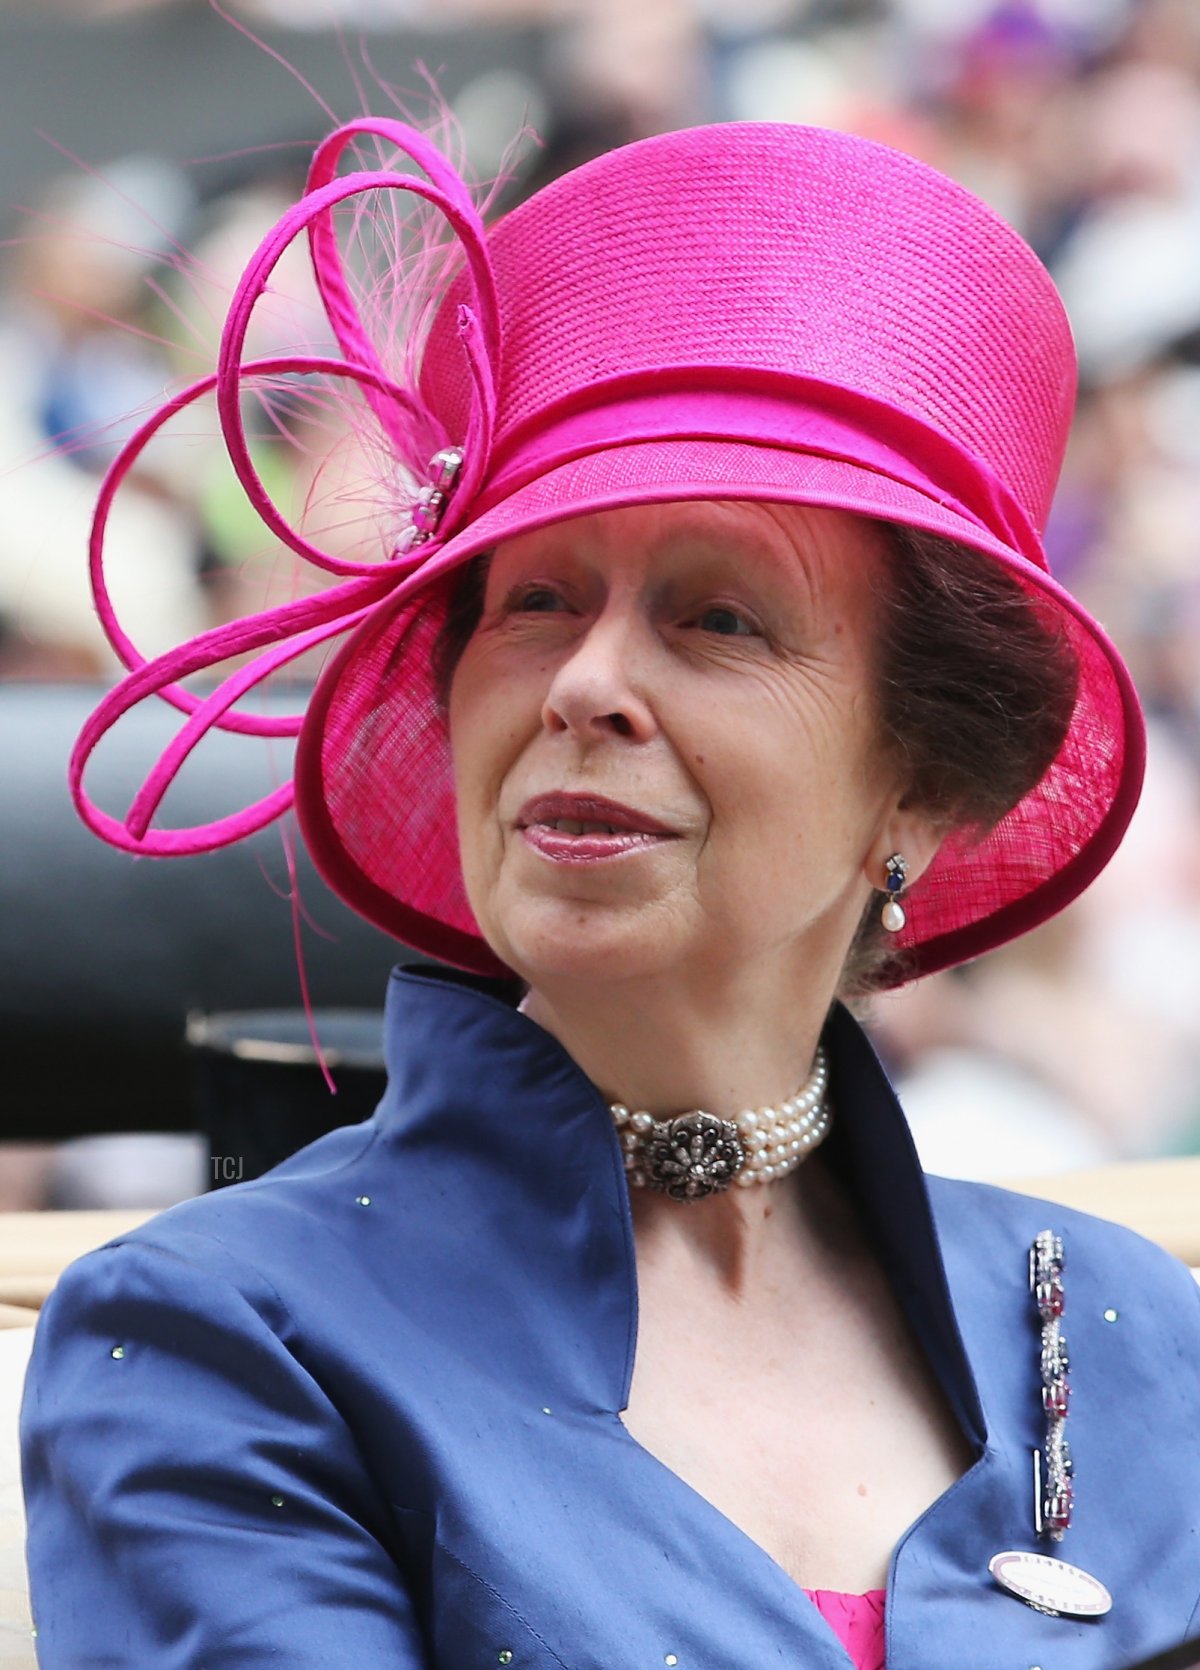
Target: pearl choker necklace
pixel 697 1154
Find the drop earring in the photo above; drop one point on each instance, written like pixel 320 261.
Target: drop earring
pixel 892 915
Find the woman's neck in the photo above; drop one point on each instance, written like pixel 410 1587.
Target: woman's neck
pixel 671 1047
pixel 669 1051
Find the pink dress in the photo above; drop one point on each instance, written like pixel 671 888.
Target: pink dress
pixel 857 1621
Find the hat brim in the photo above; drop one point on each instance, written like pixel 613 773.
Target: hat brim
pixel 374 787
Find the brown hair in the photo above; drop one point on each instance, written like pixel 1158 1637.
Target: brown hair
pixel 976 681
pixel 976 684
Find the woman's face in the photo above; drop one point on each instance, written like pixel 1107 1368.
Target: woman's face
pixel 665 743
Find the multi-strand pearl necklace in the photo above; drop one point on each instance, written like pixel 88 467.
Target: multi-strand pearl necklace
pixel 696 1154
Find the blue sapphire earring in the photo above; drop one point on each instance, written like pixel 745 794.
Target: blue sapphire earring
pixel 892 916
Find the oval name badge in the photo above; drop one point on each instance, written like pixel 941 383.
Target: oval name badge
pixel 1050 1585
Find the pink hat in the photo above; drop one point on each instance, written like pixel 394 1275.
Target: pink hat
pixel 747 311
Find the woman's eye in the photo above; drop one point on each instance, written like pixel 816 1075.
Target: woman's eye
pixel 536 600
pixel 725 621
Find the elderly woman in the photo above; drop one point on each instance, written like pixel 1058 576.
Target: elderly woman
pixel 718 679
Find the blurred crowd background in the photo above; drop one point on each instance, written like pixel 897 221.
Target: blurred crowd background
pixel 1079 120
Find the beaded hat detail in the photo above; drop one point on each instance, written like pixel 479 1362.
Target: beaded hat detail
pixel 743 311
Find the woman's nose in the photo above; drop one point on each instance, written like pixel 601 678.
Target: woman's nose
pixel 596 691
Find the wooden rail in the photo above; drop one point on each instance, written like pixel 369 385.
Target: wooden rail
pixel 1158 1198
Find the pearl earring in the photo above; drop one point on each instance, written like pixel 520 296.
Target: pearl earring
pixel 892 915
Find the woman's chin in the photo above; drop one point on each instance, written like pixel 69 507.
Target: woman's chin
pixel 557 940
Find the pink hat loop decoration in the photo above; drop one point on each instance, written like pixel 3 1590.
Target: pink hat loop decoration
pixel 334 611
pixel 331 612
pixel 130 656
pixel 327 259
pixel 253 283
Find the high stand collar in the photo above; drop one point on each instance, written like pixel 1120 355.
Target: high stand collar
pixel 524 1148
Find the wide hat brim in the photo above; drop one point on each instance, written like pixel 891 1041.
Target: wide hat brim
pixel 374 784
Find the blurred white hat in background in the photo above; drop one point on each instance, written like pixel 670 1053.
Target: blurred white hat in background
pixel 1130 278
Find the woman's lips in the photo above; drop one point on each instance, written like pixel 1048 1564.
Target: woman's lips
pixel 582 829
pixel 585 848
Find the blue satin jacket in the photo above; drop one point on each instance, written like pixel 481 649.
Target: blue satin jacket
pixel 365 1410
